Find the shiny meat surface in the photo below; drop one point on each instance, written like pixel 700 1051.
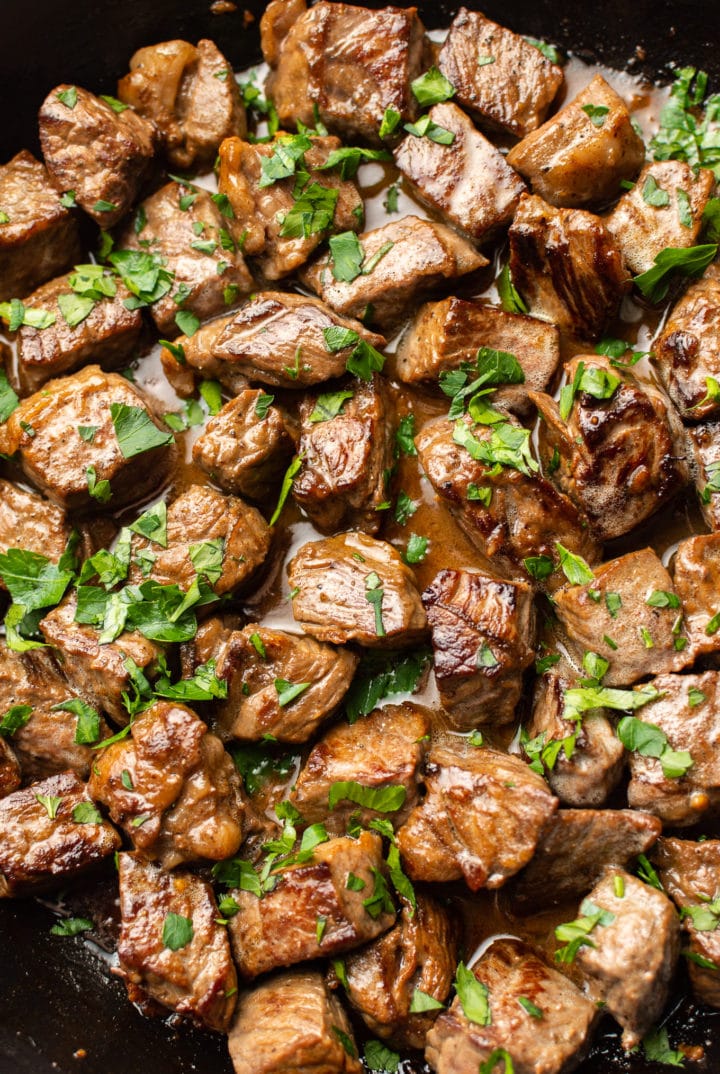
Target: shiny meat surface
pixel 704 449
pixel 10 774
pixel 696 574
pixel 28 521
pixel 687 349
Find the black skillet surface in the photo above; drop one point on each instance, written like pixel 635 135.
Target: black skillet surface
pixel 60 1010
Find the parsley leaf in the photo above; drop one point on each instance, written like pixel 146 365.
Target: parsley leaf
pixel 574 567
pixel 288 691
pixel 473 996
pixel 685 261
pixel 290 474
pixel 71 926
pixel 422 1002
pixel 576 934
pixel 14 719
pixel 416 550
pixel 8 398
pixel 649 740
pixel 346 256
pixel 32 580
pixel 597 113
pixel 432 88
pixel 382 675
pixel 87 730
pixel 177 931
pixel 329 405
pixel 387 799
pixel 135 430
pixel 656 1047
pixel 425 128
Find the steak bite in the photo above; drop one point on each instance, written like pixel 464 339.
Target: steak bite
pixel 190 95
pixel 29 522
pixel 704 445
pixel 581 155
pixel 346 457
pixel 10 773
pixel 567 267
pixel 66 467
pixel 40 237
pixel 553 1043
pixel 42 844
pixel 292 1023
pixel 403 261
pixel 481 820
pixel 354 588
pixel 281 928
pixel 468 181
pixel 172 787
pixel 102 156
pixel 171 947
pixel 482 638
pixel 696 574
pixel 498 76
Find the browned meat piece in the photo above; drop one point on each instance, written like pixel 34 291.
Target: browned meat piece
pixel 172 787
pixel 281 928
pixel 343 479
pixel 468 182
pixel 526 515
pixel 580 156
pixel 573 851
pixel 504 81
pixel 619 457
pixel 275 24
pixel 688 714
pixel 182 964
pixel 354 588
pixel 704 446
pixel 447 333
pixel 690 873
pixel 632 958
pixel 260 210
pixel 292 1023
pixel 420 952
pixel 482 637
pixel 348 62
pixel 567 267
pixel 696 573
pixel 385 749
pixel 42 845
pixel 53 455
pixel 419 255
pixel 208 269
pixel 109 335
pixel 261 666
pixel 103 156
pixel 29 522
pixel 276 339
pixel 10 775
pixel 40 238
pixel 554 1043
pixel 481 819
pixel 628 615
pixel 190 95
pixel 246 447
pixel 664 208
pixel 688 349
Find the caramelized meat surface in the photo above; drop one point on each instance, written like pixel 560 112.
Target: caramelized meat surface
pixel 687 349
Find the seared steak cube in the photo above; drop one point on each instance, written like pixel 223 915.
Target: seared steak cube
pixel 29 522
pixel 10 774
pixel 190 95
pixel 687 350
pixel 696 573
pixel 354 588
pixel 101 155
pixel 704 443
pixel 40 238
pixel 498 76
pixel 580 156
pixel 468 181
pixel 42 845
pixel 171 947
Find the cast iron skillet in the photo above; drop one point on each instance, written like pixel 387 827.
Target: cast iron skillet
pixel 57 1000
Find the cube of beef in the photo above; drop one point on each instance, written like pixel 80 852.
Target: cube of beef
pixel 279 684
pixel 172 787
pixel 567 267
pixel 189 94
pixel 580 156
pixel 688 348
pixel 468 182
pixel 349 63
pixel 354 588
pixel 703 443
pixel 696 574
pixel 402 260
pixel 481 820
pixel 102 156
pixel 43 842
pixel 40 237
pixel 191 973
pixel 270 214
pixel 29 522
pixel 282 928
pixel 504 81
pixel 346 457
pixel 553 1043
pixel 10 774
pixel 66 467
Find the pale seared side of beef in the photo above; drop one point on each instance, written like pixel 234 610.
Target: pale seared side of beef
pixel 696 575
pixel 29 522
pixel 354 588
pixel 581 155
pixel 102 155
pixel 554 1043
pixel 704 449
pixel 40 851
pixel 197 979
pixel 292 1022
pixel 10 773
pixel 281 928
pixel 688 348
pixel 40 238
pixel 497 75
pixel 481 820
pixel 382 750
